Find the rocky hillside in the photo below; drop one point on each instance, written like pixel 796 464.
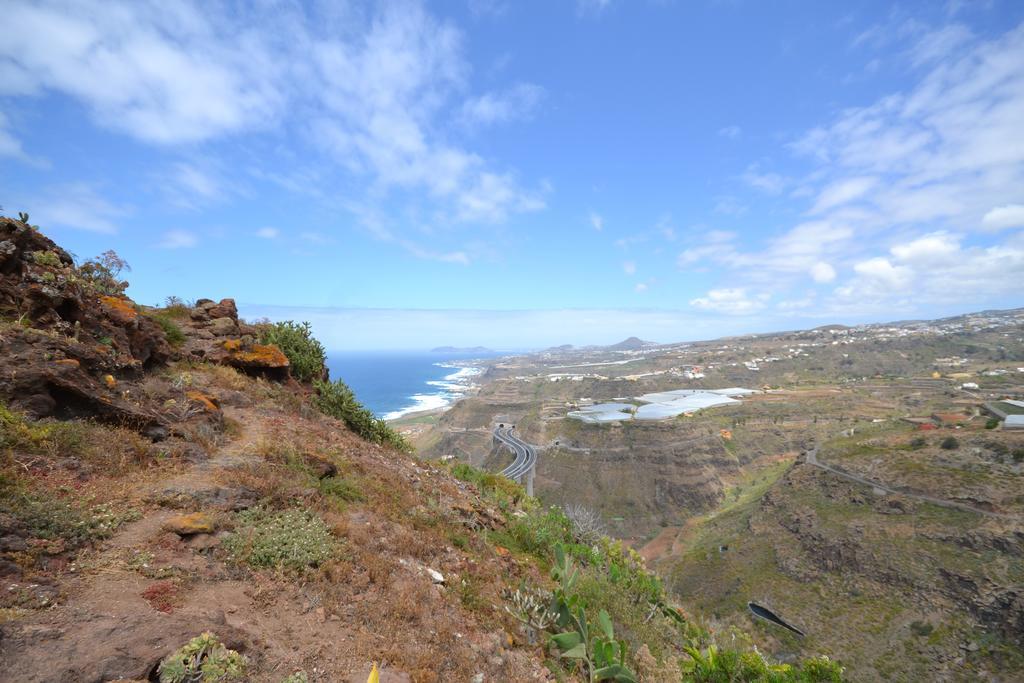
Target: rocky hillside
pixel 185 495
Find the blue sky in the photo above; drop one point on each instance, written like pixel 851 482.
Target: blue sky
pixel 521 174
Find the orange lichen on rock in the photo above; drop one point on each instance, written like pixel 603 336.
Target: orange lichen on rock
pixel 122 309
pixel 69 362
pixel 109 381
pixel 208 402
pixel 256 355
pixel 191 524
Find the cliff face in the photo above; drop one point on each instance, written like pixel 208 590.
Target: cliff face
pixel 866 575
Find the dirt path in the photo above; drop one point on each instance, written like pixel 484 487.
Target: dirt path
pixel 811 458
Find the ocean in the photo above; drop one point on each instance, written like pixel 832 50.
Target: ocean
pixel 393 383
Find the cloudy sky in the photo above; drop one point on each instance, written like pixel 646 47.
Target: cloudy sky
pixel 521 174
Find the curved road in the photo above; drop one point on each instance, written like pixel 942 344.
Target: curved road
pixel 526 455
pixel 812 459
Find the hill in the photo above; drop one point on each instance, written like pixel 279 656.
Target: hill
pixel 184 495
pixel 630 344
pixel 461 349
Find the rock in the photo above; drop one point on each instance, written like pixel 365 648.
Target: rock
pixel 223 327
pixel 253 359
pixel 9 569
pixel 320 467
pixel 209 403
pixel 105 647
pixel 225 309
pixel 12 543
pixel 188 525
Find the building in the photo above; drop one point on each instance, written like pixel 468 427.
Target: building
pixel 1014 422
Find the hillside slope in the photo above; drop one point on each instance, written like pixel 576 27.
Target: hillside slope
pixel 183 494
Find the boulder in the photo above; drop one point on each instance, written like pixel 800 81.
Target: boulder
pixel 223 327
pixel 225 309
pixel 264 360
pixel 191 524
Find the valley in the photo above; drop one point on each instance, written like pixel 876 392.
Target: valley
pixel 864 490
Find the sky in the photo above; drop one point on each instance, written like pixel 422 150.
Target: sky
pixel 524 174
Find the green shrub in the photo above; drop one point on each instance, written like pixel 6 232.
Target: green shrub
pixel 495 487
pixel 46 258
pixel 305 354
pixel 292 539
pixel 175 337
pixel 204 659
pixel 337 400
pixel 1018 455
pixel 949 443
pixel 992 423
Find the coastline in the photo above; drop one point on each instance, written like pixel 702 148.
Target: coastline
pixel 449 390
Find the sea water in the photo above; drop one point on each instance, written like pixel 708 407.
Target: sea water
pixel 394 383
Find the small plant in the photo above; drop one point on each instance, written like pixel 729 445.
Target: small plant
pixel 992 423
pixel 587 526
pixel 949 443
pixel 918 442
pixel 203 659
pixel 175 337
pixel 23 217
pixel 1017 455
pixel 101 273
pixel 600 656
pixel 291 539
pixel 306 355
pixel 46 258
pixel 297 677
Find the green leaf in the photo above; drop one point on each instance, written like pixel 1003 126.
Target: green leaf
pixel 567 641
pixel 606 625
pixel 614 672
pixel 577 652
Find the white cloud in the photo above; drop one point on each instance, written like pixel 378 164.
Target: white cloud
pixel 517 102
pixel 196 181
pixel 640 287
pixel 597 221
pixel 1003 217
pixel 842 192
pixel 161 73
pixel 928 250
pixel 881 271
pixel 78 206
pixel 823 272
pixel 372 91
pixel 178 239
pixel 940 44
pixel 9 145
pixel 731 132
pixel 629 267
pixel 769 183
pixel 268 233
pixel 733 301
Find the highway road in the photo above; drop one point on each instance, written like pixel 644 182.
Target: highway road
pixel 526 455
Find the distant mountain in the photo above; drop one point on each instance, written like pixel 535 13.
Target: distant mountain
pixel 631 344
pixel 461 349
pixel 556 349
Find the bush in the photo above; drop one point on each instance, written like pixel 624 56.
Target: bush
pixel 291 539
pixel 204 658
pixel 949 443
pixel 165 319
pixel 337 400
pixel 1018 455
pixel 101 273
pixel 992 423
pixel 305 354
